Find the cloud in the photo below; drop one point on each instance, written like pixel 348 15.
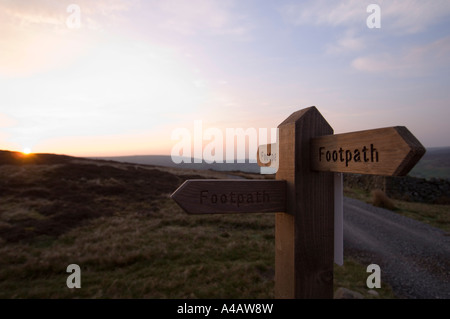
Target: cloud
pixel 398 16
pixel 54 12
pixel 413 16
pixel 416 61
pixel 24 13
pixel 323 12
pixel 190 16
pixel 34 36
pixel 349 42
pixel 199 17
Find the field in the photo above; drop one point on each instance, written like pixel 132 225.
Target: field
pixel 434 164
pixel 432 214
pixel 117 222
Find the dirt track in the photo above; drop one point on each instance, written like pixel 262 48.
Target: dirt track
pixel 414 257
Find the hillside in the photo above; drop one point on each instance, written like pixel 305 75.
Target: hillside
pixel 117 222
pixel 47 194
pixel 434 164
pixel 165 160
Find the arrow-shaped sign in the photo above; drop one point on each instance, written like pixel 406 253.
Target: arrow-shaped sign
pixel 209 196
pixel 391 151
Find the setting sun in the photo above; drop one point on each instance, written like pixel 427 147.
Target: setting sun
pixel 26 150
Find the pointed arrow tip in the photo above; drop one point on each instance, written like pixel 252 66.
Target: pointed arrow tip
pixel 178 196
pixel 416 151
pixel 177 192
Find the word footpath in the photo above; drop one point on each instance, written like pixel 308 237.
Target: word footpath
pixel 349 155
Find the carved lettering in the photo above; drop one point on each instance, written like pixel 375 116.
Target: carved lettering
pixel 234 198
pixel 370 155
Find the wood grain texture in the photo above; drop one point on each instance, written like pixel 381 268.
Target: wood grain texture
pixel 306 271
pixel 227 196
pixel 391 151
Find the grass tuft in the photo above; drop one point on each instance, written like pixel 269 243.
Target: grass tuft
pixel 380 199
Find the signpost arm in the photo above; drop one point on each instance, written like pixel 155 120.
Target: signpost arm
pixel 304 236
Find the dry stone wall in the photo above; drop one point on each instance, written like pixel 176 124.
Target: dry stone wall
pixel 434 191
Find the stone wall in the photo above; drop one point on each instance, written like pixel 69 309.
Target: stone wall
pixel 435 191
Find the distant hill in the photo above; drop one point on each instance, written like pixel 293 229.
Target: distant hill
pixel 18 158
pixel 434 164
pixel 162 160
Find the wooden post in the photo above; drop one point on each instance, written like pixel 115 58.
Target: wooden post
pixel 304 235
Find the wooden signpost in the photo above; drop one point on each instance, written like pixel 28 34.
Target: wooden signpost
pixel 210 196
pixel 391 151
pixel 303 194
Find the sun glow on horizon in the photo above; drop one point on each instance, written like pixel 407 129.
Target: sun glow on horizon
pixel 120 82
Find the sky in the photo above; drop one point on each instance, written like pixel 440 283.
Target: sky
pixel 117 77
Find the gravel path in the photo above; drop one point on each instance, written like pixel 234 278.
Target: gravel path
pixel 414 257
